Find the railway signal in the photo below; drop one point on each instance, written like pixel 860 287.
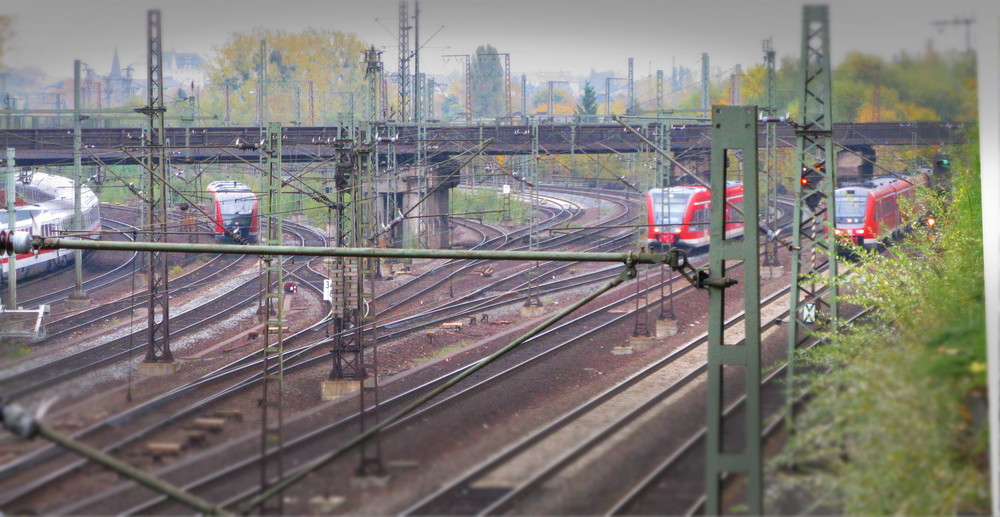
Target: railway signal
pixel 942 164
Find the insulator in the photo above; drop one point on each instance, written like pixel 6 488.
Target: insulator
pixel 12 241
pixel 243 145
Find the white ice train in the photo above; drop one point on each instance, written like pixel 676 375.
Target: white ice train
pixel 44 206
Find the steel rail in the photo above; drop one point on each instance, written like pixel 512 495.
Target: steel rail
pixel 560 240
pixel 401 398
pixel 565 460
pixel 96 282
pixel 70 370
pixel 500 242
pixel 422 413
pixel 28 461
pixel 232 368
pixel 547 471
pixel 179 285
pixel 622 504
pixel 128 471
pixel 628 274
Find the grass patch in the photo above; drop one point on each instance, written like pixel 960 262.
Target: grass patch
pixel 439 353
pixel 489 200
pixel 12 349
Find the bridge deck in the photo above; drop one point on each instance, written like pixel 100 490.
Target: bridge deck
pixel 306 144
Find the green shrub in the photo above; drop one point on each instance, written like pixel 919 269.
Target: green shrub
pixel 892 424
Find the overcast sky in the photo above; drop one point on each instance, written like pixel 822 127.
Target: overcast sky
pixel 540 35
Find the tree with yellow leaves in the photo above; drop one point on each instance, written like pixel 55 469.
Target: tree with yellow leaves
pixel 310 76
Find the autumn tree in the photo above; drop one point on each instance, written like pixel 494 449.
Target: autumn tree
pixel 317 68
pixel 487 83
pixel 5 33
pixel 587 106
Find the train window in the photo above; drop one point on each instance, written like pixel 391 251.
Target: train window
pixel 23 215
pixel 700 217
pixel 669 208
pixel 736 211
pixel 850 207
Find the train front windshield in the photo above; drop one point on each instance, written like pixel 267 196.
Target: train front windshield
pixel 669 207
pixel 235 203
pixel 850 208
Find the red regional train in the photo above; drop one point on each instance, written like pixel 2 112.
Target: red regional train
pixel 235 207
pixel 678 216
pixel 869 214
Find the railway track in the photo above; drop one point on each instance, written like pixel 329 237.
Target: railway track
pixel 229 485
pixel 242 474
pixel 514 280
pixel 525 468
pixel 348 423
pixel 78 320
pixel 439 275
pixel 236 367
pixel 19 383
pixel 95 282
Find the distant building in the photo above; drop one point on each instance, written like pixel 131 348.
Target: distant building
pixel 184 68
pixel 119 84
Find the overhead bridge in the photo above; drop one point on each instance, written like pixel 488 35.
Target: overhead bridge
pixel 116 146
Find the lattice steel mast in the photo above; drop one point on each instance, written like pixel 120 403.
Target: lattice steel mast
pixel 532 302
pixel 630 83
pixel 770 160
pixel 158 350
pixel 355 360
pixel 813 300
pixel 404 61
pixel 272 314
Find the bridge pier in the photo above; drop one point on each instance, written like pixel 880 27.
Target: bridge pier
pixel 856 163
pixel 423 194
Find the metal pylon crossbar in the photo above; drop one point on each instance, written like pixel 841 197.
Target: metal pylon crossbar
pixel 813 236
pixel 734 128
pixel 272 314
